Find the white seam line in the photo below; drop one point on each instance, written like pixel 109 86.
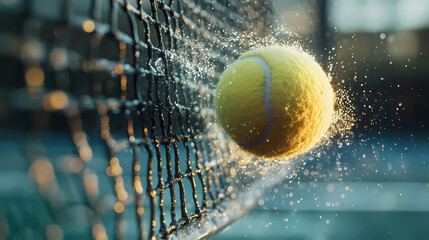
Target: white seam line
pixel 267 87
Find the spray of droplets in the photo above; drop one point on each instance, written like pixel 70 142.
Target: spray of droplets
pixel 204 63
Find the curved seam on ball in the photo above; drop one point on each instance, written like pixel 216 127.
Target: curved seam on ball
pixel 267 102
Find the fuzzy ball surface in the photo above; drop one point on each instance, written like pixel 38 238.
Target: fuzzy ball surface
pixel 275 102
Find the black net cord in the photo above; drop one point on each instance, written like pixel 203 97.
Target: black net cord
pixel 157 113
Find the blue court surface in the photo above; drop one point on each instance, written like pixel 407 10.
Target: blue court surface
pixel 383 194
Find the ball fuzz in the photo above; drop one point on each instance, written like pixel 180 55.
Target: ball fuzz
pixel 274 102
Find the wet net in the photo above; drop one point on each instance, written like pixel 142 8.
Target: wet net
pixel 107 125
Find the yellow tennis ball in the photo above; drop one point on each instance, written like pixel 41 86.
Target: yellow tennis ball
pixel 274 101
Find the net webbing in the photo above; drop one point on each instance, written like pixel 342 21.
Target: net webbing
pixel 133 74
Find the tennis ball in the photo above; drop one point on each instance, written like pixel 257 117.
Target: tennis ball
pixel 274 102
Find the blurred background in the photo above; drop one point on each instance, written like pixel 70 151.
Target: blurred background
pixel 374 184
pixel 370 183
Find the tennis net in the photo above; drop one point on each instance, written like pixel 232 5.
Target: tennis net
pixel 107 125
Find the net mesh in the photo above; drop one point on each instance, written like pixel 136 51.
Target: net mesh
pixel 109 106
